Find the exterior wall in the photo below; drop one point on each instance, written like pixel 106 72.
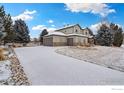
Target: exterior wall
pixel 78 40
pixel 67 30
pixel 85 32
pixel 81 41
pixel 84 40
pixel 77 29
pixel 59 41
pixel 63 41
pixel 71 30
pixel 75 40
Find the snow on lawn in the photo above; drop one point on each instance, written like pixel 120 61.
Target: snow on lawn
pixel 122 46
pixel 111 57
pixel 5 71
pixel 44 66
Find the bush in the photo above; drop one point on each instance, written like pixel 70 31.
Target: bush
pixel 104 36
pixel 118 39
pixel 109 34
pixel 43 33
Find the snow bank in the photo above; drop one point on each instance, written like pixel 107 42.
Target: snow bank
pixel 5 71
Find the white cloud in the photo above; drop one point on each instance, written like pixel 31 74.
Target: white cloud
pixel 51 29
pixel 50 21
pixel 101 9
pixel 95 27
pixel 41 27
pixel 29 12
pixel 26 15
pixel 53 25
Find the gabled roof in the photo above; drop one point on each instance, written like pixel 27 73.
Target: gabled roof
pixel 62 34
pixel 69 27
pixel 90 31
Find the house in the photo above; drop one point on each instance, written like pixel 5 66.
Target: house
pixel 68 36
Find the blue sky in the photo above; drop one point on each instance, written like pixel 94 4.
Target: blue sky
pixel 55 15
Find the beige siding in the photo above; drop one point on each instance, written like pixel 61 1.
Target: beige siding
pixel 84 41
pixel 59 41
pixel 78 40
pixel 62 40
pixel 77 29
pixel 85 32
pixel 71 30
pixel 67 30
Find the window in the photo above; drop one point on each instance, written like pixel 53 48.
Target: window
pixel 86 32
pixel 76 30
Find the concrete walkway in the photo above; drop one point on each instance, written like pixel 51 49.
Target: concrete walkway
pixel 43 66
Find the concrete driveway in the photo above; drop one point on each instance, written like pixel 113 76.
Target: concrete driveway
pixel 44 66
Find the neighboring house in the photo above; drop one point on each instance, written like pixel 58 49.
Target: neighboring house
pixel 70 35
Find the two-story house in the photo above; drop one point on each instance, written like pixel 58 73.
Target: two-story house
pixel 68 36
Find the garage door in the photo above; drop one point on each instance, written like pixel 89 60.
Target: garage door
pixel 48 41
pixel 70 41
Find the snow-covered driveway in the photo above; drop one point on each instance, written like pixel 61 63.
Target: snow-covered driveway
pixel 43 66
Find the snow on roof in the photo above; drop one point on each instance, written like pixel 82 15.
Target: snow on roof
pixel 67 26
pixel 74 34
pixel 62 34
pixel 56 33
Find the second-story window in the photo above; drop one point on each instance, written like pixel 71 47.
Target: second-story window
pixel 76 30
pixel 86 33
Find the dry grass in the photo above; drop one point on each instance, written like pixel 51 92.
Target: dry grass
pixel 2 56
pixel 17 45
pixel 110 57
pixel 5 49
pixel 86 48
